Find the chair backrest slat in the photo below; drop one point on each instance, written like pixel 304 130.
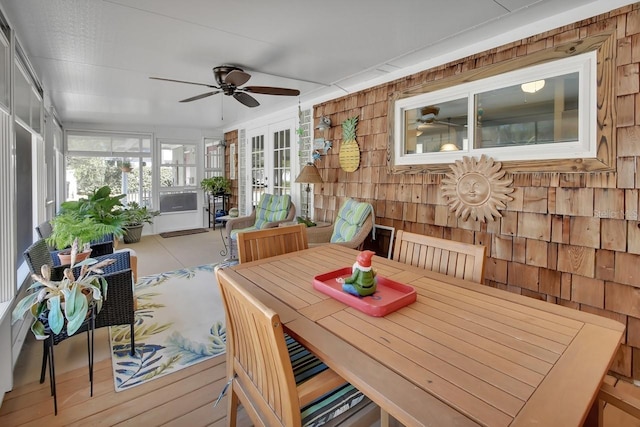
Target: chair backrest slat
pixel 457 259
pixel 259 244
pixel 259 358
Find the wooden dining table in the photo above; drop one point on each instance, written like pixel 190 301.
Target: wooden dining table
pixel 461 354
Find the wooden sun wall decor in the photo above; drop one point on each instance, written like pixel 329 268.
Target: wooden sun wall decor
pixel 349 154
pixel 477 188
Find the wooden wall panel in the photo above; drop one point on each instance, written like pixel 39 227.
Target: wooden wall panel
pixel 566 238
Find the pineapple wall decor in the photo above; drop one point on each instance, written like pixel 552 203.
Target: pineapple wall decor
pixel 349 155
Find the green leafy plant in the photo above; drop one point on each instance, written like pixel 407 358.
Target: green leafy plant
pixel 99 204
pixel 87 219
pixel 69 227
pixel 305 221
pixel 134 214
pixel 216 185
pixel 65 302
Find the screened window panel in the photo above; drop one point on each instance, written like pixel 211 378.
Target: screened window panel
pixel 4 71
pixel 22 95
pixel 24 193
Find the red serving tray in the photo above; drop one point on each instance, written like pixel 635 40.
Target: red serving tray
pixel 389 296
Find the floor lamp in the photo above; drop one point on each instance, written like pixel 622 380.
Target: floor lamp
pixel 309 175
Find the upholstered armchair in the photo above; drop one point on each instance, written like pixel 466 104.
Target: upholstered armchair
pixel 352 226
pixel 270 211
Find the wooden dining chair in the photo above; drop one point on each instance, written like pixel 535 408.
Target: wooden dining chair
pixel 261 362
pixel 259 244
pixel 457 259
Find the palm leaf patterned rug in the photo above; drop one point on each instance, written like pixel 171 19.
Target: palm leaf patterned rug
pixel 179 322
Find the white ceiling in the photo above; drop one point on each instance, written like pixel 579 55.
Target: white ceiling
pixel 95 57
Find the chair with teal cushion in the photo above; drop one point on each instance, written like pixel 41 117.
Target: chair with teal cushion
pixel 353 224
pixel 270 211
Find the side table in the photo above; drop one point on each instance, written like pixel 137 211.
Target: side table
pixel 320 228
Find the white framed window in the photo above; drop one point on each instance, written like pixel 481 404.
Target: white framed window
pixel 213 157
pixel 119 160
pixel 541 112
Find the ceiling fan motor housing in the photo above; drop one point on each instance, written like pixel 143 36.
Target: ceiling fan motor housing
pixel 220 73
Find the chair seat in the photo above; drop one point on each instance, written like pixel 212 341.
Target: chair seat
pixel 329 406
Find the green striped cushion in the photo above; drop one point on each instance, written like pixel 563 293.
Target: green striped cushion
pixel 336 402
pixel 351 216
pixel 234 233
pixel 271 208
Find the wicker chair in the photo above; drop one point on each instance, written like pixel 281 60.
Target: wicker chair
pixel 115 310
pixel 353 225
pixel 270 212
pixel 118 308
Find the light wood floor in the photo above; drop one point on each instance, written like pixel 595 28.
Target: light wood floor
pixel 184 398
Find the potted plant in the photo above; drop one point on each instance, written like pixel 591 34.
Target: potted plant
pixel 69 228
pixel 125 166
pixel 87 219
pixel 63 305
pixel 135 216
pixel 216 185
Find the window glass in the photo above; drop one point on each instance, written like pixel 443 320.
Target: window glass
pixel 213 158
pixel 22 95
pixel 35 111
pixel 28 105
pixel 88 143
pixel 125 144
pixel 107 143
pixel 24 191
pixel 541 111
pixel 259 179
pixel 510 116
pixel 178 165
pixel 437 127
pixel 4 71
pixel 282 162
pixel 96 159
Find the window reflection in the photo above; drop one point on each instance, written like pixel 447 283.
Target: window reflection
pixel 536 112
pixel 436 127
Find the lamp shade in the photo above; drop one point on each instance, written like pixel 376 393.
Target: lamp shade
pixel 309 175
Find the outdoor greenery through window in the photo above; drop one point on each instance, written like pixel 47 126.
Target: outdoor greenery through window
pixel 123 162
pixel 541 112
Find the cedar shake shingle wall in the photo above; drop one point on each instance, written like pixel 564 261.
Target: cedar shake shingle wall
pixel 566 238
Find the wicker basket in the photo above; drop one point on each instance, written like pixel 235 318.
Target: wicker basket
pixel 133 233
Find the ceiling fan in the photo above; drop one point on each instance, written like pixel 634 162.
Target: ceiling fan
pixel 429 116
pixel 229 79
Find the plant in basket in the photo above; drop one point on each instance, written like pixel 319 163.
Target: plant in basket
pixel 64 304
pixel 135 216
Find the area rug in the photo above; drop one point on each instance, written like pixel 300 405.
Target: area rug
pixel 179 322
pixel 183 232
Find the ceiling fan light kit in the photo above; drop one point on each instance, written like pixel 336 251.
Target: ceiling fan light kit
pixel 229 79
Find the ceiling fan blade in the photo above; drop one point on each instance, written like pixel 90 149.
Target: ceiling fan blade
pixel 183 81
pixel 268 90
pixel 237 78
pixel 202 95
pixel 246 99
